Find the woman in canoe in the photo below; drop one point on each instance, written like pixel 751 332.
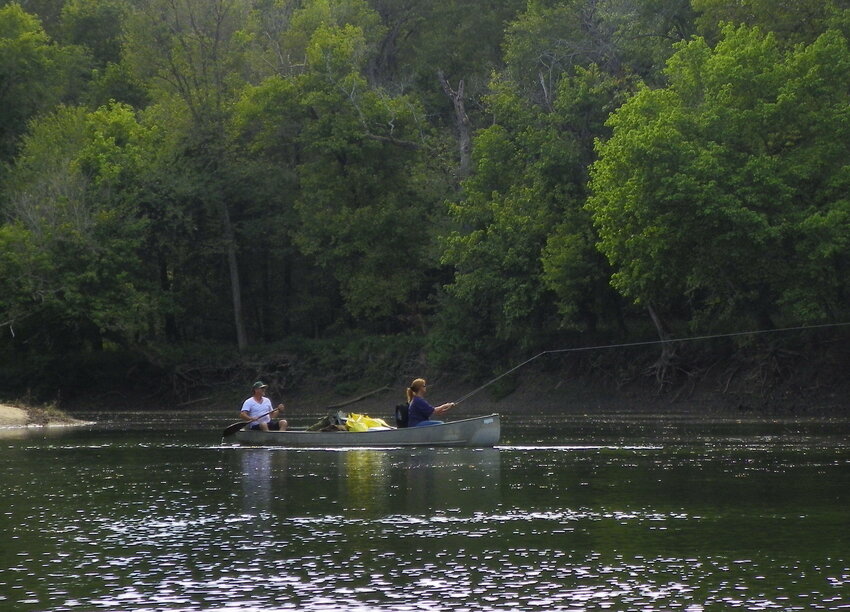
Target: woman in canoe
pixel 419 411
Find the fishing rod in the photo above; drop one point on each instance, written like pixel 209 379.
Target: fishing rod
pixel 645 343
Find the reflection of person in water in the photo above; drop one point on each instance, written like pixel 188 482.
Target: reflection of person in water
pixel 256 480
pixel 419 411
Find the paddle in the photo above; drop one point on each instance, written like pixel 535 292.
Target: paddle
pixel 232 429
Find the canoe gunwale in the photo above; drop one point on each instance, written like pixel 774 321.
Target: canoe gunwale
pixel 481 431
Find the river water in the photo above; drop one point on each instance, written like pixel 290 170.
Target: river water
pixel 616 512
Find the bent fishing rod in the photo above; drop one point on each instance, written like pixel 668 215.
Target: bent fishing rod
pixel 645 343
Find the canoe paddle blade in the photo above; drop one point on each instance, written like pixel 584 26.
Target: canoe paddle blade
pixel 232 429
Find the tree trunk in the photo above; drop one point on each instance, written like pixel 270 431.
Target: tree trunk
pixel 171 332
pixel 235 284
pixel 462 124
pixel 668 351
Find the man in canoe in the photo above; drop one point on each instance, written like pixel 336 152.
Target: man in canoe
pixel 419 411
pixel 258 411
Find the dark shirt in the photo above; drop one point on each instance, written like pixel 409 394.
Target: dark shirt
pixel 419 411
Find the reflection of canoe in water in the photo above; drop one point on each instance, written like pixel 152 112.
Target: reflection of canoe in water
pixel 478 431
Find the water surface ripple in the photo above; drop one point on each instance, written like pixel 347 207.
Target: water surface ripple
pixel 590 514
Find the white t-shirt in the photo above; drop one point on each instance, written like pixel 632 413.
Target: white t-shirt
pixel 255 409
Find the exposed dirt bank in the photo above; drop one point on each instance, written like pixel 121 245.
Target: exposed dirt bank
pixel 760 382
pixel 540 393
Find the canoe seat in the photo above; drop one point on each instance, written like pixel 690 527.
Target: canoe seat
pixel 401 415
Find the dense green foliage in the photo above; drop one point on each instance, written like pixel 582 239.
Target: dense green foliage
pixel 258 173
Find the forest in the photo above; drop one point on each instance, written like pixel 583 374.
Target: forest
pixel 199 192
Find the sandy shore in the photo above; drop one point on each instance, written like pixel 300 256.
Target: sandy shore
pixel 14 416
pixel 11 416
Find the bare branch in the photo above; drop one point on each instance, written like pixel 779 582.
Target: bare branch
pixel 461 123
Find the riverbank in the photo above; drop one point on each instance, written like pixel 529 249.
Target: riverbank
pixel 29 416
pixel 540 392
pixel 806 381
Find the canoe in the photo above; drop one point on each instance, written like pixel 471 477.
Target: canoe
pixel 477 431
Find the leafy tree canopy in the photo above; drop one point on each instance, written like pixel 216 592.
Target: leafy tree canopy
pixel 792 21
pixel 33 73
pixel 71 198
pixel 739 164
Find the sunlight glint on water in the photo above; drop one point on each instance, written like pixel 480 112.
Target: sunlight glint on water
pixel 664 516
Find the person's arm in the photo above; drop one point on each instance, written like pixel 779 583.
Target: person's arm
pixel 245 414
pixel 443 408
